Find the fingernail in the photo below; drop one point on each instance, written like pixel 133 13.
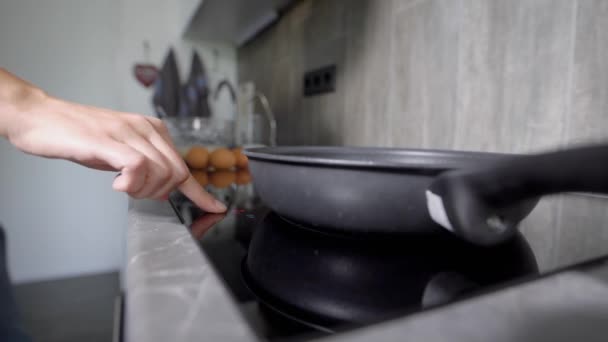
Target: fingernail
pixel 220 206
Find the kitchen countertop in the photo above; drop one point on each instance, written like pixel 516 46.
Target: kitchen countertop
pixel 174 294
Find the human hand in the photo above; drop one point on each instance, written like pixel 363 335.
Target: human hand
pixel 137 146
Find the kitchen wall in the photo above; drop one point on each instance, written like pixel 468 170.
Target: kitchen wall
pixel 160 22
pixel 510 76
pixel 63 219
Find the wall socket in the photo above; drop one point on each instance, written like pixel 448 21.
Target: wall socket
pixel 320 81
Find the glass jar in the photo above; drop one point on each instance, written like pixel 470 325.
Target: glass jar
pixel 209 132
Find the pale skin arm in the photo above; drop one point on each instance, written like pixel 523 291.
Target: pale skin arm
pixel 137 146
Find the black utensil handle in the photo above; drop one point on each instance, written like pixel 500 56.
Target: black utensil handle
pixel 485 206
pixel 583 169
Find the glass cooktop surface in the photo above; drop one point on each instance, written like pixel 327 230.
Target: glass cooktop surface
pixel 295 283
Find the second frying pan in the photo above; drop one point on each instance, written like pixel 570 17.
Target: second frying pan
pixel 480 197
pixel 330 280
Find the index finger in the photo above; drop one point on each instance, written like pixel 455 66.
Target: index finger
pixel 191 189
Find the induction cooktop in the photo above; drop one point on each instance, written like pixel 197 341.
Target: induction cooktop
pixel 294 283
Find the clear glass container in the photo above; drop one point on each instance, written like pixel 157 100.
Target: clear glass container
pixel 208 132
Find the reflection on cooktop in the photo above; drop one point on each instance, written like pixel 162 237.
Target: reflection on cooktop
pixel 294 283
pixel 328 281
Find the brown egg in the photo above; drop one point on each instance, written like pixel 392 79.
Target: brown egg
pixel 241 159
pixel 243 177
pixel 223 178
pixel 201 177
pixel 197 157
pixel 222 159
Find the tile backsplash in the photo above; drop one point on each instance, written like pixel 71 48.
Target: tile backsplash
pixel 508 76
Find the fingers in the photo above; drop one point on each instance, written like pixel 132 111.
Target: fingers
pixel 191 189
pixel 164 168
pixel 160 138
pixel 160 127
pixel 158 168
pixel 131 163
pixel 178 170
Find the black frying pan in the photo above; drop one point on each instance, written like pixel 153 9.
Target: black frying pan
pixel 324 280
pixel 480 197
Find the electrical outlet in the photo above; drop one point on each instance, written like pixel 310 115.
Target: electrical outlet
pixel 320 81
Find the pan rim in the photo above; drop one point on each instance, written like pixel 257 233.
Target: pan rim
pixel 394 158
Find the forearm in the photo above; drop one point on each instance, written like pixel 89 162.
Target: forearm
pixel 17 98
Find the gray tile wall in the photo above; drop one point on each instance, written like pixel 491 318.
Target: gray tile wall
pixel 492 75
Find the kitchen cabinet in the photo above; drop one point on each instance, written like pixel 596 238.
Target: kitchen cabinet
pixel 232 21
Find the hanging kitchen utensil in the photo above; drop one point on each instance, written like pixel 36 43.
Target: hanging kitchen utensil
pixel 187 101
pixel 157 99
pixel 167 86
pixel 146 73
pixel 480 197
pixel 198 87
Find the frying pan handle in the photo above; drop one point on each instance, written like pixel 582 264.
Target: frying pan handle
pixel 485 206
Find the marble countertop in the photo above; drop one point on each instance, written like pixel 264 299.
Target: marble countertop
pixel 174 294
